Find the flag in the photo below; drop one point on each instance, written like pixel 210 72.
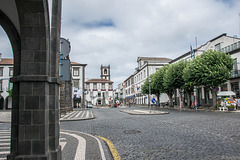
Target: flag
pixel 191 51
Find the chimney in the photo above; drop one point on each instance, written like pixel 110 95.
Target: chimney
pixel 0 57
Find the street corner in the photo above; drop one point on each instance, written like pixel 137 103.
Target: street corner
pixel 144 112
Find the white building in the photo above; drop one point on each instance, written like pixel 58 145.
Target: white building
pixel 132 85
pixel 78 78
pixel 6 72
pixel 227 44
pixel 100 91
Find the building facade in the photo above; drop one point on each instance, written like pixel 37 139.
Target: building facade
pixel 6 72
pixel 100 91
pixel 130 89
pixel 78 80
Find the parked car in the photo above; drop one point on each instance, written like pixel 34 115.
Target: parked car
pixel 89 105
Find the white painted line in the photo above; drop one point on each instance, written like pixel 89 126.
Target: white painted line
pixel 81 148
pixel 2 137
pixel 5 148
pixel 78 114
pixel 99 143
pixel 4 152
pixel 2 140
pixel 87 115
pixel 62 144
pixel 74 114
pixel 68 115
pixel 82 116
pixel 4 144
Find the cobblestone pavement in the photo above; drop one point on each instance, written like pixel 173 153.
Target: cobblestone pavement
pixel 178 135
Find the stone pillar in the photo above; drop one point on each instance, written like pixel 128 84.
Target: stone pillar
pixel 54 125
pixel 35 115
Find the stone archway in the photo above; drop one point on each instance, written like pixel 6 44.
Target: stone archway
pixel 35 44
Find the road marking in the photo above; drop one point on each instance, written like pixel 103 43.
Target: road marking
pixel 78 114
pixel 81 148
pixel 87 115
pixel 62 142
pixel 113 150
pixel 99 143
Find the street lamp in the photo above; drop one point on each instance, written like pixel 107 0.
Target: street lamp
pixel 149 82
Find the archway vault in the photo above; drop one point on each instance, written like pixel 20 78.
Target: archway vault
pixel 35 115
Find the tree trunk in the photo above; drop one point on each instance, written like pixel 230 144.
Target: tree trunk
pixel 214 97
pixel 170 99
pixel 189 99
pixel 158 99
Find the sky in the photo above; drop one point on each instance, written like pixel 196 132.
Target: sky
pixel 116 32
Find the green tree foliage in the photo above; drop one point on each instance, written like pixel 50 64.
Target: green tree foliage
pixel 210 69
pixel 173 78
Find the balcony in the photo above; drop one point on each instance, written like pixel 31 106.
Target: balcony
pixel 235 74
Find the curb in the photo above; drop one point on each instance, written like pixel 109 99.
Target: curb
pixel 132 112
pixel 76 119
pixel 113 150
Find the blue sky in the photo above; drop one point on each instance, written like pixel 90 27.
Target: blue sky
pixel 116 32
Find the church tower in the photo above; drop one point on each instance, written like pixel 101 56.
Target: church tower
pixel 105 72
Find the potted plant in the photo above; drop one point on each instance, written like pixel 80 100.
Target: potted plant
pixel 231 107
pixel 219 106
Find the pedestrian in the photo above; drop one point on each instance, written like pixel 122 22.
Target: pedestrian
pixel 181 105
pixel 193 105
pixel 236 103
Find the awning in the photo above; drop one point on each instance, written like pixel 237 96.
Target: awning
pixel 130 97
pixel 226 93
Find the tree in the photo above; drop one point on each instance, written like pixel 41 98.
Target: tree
pixel 173 78
pixel 189 79
pixel 157 82
pixel 210 69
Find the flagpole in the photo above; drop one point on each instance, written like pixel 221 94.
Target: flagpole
pixel 196 46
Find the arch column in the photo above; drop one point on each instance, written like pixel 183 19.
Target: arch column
pixel 35 114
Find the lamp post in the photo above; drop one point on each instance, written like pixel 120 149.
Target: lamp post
pixel 149 82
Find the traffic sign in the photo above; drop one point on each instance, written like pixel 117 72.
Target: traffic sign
pixel 154 101
pixel 65 48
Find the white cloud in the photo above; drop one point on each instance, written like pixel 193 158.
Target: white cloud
pixel 162 28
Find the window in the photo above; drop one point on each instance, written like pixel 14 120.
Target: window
pixel 10 85
pixel 94 85
pixel 144 74
pixel 10 71
pixel 91 94
pixel 110 86
pixel 0 85
pixel 99 94
pixel 218 47
pixel 103 85
pixel 87 86
pixel 75 71
pixel 105 71
pixel 76 84
pixel 1 71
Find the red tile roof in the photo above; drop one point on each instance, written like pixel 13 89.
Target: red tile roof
pixel 98 81
pixel 77 64
pixel 6 61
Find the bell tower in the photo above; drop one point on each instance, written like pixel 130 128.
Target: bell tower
pixel 105 72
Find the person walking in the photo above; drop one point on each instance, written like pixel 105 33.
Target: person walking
pixel 181 105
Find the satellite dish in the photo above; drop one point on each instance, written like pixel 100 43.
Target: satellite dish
pixel 65 48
